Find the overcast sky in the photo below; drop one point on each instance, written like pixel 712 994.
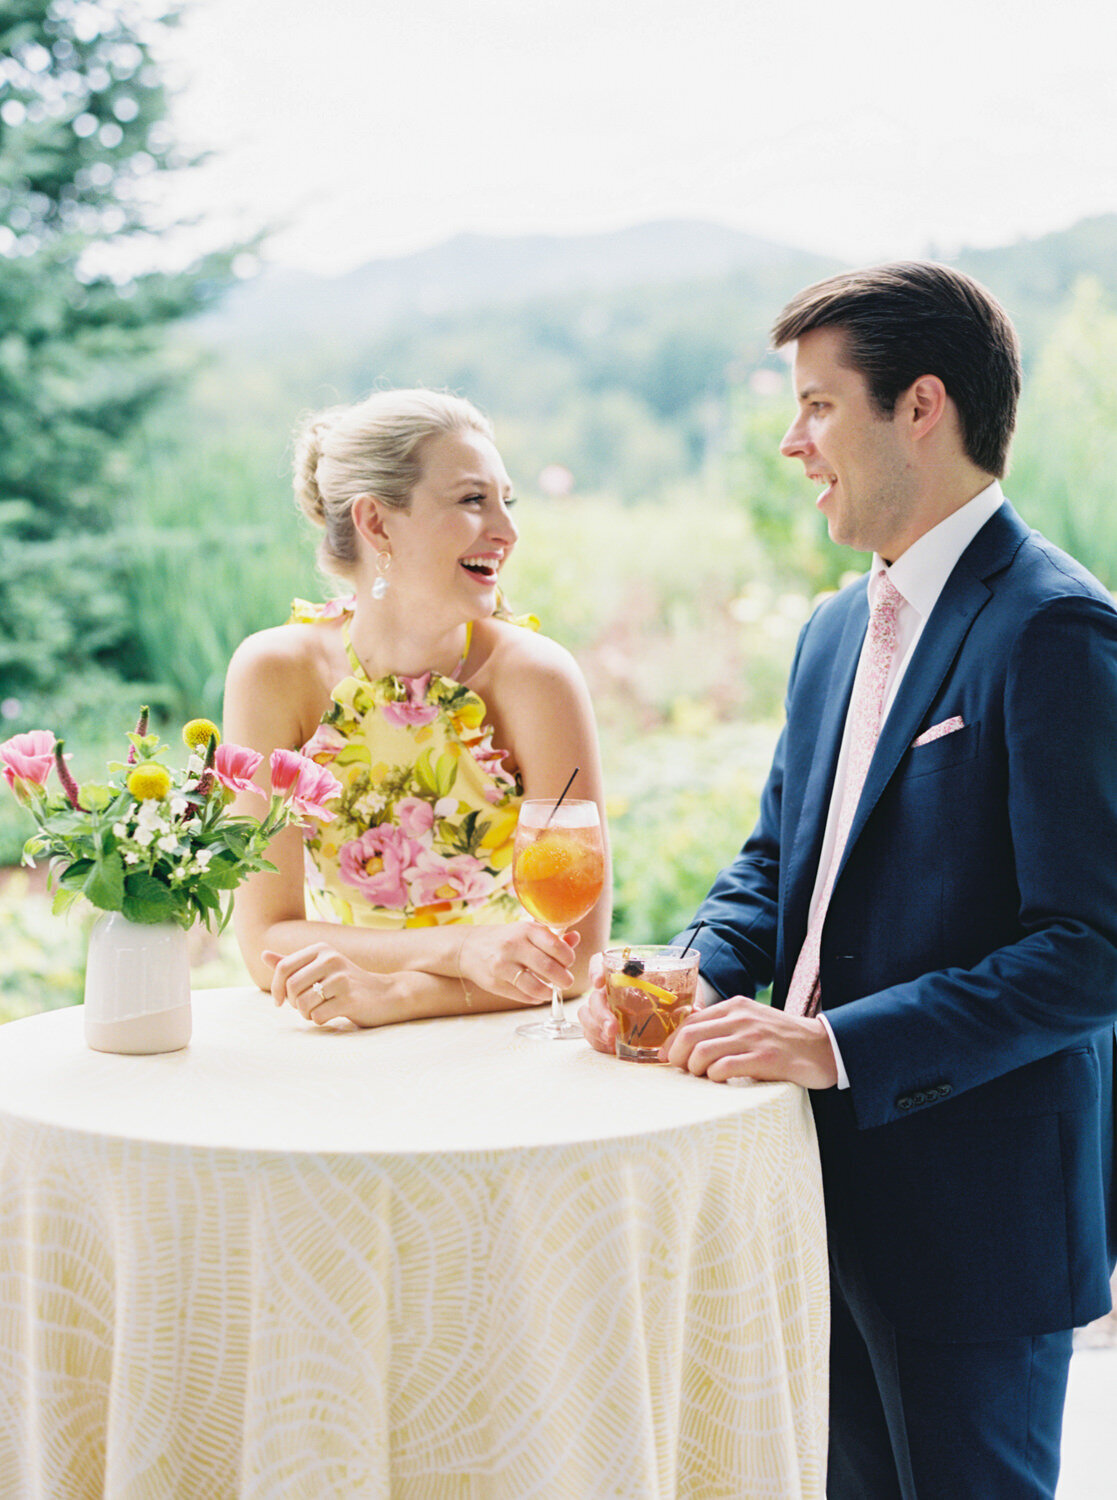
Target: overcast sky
pixel 867 129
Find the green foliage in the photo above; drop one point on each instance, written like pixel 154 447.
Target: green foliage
pixel 213 550
pixel 1063 454
pixel 681 807
pixel 42 960
pixel 82 135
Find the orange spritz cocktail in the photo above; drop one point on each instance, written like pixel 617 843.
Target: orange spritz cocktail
pixel 559 874
pixel 558 869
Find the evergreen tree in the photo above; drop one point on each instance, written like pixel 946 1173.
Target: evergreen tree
pixel 83 138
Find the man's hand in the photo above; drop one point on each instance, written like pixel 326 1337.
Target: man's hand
pixel 596 1019
pixel 739 1038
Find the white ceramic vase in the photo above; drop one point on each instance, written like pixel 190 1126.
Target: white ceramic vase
pixel 137 986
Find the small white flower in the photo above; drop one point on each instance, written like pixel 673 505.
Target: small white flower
pixel 202 858
pixel 195 765
pixel 445 807
pixel 369 805
pixel 168 843
pixel 131 857
pixel 120 830
pixel 144 837
pixel 178 804
pixel 149 816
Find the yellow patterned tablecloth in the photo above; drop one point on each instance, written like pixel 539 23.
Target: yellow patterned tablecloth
pixel 430 1262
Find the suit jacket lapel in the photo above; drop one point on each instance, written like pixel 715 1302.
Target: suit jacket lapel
pixel 965 593
pixel 803 862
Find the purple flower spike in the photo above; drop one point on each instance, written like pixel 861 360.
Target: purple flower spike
pixel 69 785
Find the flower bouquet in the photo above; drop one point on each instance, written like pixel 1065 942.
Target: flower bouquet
pixel 155 850
pixel 154 844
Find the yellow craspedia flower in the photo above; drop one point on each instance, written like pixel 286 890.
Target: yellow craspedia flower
pixel 149 783
pixel 199 732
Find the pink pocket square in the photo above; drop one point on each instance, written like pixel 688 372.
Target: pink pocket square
pixel 936 731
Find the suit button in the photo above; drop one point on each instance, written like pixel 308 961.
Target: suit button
pixel 919 1097
pixel 903 1103
pixel 944 1089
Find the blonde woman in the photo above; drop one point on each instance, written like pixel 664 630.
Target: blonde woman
pixel 438 714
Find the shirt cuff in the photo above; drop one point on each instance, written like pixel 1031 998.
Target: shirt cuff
pixel 843 1076
pixel 705 994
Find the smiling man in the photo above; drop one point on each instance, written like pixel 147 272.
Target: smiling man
pixel 931 890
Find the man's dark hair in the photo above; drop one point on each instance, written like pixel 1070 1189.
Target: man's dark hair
pixel 916 318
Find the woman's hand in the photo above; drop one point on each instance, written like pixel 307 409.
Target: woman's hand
pixel 597 1021
pixel 518 961
pixel 322 984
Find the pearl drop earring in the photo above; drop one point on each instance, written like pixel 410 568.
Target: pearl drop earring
pixel 380 582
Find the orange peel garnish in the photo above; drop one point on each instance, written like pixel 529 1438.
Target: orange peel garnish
pixel 636 982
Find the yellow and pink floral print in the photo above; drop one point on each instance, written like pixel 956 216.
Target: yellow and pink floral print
pixel 422 830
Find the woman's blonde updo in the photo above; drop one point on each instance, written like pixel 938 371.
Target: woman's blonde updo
pixel 370 448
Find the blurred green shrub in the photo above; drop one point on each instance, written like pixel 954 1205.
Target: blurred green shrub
pixel 680 807
pixel 42 957
pixel 215 551
pixel 1063 451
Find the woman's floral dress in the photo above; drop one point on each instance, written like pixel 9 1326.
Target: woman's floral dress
pixel 426 818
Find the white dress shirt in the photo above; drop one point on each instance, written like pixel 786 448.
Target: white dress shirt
pixel 919 575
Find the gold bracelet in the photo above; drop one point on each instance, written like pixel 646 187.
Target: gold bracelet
pixel 461 976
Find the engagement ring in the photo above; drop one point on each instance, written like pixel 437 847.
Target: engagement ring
pixel 318 990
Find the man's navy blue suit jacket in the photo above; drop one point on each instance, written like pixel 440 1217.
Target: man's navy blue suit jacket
pixel 969 955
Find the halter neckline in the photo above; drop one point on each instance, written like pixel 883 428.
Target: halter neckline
pixel 453 676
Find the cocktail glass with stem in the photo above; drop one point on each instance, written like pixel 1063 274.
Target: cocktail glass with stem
pixel 558 869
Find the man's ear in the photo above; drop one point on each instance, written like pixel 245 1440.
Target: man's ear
pixel 368 519
pixel 923 405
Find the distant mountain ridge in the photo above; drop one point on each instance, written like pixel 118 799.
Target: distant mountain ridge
pixel 283 308
pixel 473 270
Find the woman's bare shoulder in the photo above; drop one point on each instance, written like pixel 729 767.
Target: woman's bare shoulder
pixel 282 650
pixel 527 653
pixel 279 683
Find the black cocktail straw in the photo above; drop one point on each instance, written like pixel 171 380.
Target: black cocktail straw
pixel 695 930
pixel 562 794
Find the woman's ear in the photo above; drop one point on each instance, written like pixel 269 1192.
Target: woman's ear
pixel 368 520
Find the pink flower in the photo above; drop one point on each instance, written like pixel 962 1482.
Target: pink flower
pixel 413 709
pixel 459 878
pixel 416 818
pixel 28 758
pixel 491 761
pixel 333 609
pixel 324 744
pixel 376 864
pixel 235 766
pixel 307 786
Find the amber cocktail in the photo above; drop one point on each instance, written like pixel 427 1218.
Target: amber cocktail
pixel 558 869
pixel 650 990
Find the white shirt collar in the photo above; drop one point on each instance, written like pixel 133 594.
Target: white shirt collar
pixel 921 572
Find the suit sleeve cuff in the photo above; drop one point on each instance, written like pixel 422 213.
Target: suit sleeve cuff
pixel 843 1076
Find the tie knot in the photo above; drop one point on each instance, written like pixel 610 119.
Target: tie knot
pixel 887 600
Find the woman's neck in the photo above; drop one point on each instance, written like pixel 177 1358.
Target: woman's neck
pixel 387 645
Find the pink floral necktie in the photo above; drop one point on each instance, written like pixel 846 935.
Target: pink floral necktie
pixel 803 995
